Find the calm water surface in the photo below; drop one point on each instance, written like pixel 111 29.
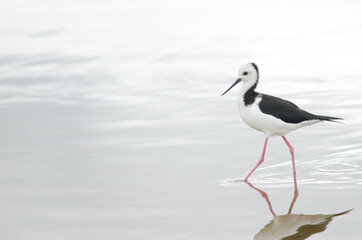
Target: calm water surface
pixel 113 127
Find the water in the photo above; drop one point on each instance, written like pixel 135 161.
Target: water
pixel 113 127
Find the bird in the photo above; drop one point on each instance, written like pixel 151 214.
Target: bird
pixel 268 114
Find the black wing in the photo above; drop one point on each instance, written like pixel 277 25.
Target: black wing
pixel 284 110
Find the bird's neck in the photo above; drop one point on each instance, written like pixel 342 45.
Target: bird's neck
pixel 247 92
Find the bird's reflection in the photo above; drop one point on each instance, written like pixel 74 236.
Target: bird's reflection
pixel 293 226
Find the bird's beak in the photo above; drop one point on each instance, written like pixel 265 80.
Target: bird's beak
pixel 236 82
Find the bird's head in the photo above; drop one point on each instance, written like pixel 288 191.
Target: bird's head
pixel 248 73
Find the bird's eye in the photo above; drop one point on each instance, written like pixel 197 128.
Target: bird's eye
pixel 245 73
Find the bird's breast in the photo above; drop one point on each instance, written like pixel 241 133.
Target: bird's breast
pixel 266 123
pixel 250 114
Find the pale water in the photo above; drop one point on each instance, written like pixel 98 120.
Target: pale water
pixel 113 127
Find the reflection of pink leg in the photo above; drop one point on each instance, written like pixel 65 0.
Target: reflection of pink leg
pixel 260 161
pixel 265 196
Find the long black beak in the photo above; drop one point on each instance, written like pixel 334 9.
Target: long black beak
pixel 236 82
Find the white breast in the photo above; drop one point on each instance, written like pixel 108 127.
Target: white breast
pixel 266 123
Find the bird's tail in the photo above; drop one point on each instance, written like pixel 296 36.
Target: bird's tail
pixel 327 118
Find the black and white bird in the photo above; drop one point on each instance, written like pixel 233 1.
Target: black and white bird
pixel 271 115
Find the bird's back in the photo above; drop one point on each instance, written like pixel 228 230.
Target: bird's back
pixel 284 110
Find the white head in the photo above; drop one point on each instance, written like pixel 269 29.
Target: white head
pixel 248 73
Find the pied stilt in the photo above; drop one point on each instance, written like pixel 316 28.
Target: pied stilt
pixel 271 115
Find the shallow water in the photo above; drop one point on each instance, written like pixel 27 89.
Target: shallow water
pixel 113 126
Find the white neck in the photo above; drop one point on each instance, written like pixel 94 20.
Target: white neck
pixel 245 87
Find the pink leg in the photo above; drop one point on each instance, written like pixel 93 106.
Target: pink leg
pixel 295 195
pixel 294 174
pixel 292 152
pixel 260 161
